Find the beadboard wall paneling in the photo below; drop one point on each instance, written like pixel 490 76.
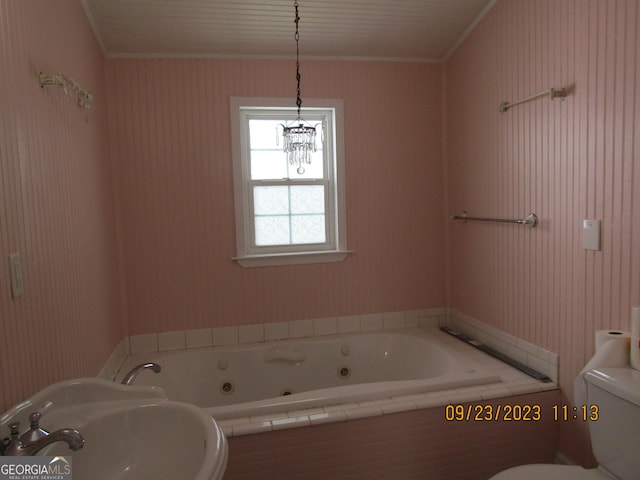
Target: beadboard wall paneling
pixel 564 160
pixel 56 202
pixel 171 146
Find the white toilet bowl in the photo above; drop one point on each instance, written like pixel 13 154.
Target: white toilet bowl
pixel 552 472
pixel 613 395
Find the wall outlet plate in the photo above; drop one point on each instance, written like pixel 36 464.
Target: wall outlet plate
pixel 15 272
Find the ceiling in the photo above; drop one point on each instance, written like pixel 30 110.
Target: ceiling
pixel 410 30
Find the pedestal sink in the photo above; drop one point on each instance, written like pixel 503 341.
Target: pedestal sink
pixel 130 432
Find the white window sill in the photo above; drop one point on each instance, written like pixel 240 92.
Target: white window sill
pixel 268 260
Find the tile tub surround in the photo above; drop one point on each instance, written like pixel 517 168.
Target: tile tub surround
pixel 527 353
pixel 544 361
pixel 513 382
pixel 257 333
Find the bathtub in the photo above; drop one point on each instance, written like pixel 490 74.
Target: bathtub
pixel 297 374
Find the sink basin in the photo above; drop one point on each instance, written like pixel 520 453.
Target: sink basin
pixel 165 440
pixel 130 432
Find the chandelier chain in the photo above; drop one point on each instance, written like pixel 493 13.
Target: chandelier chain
pixel 299 141
pixel 298 76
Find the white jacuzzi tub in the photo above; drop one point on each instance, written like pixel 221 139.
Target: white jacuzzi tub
pixel 292 375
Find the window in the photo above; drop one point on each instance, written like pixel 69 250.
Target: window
pixel 284 216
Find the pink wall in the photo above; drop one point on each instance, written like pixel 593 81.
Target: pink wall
pixel 566 161
pixel 170 141
pixel 56 206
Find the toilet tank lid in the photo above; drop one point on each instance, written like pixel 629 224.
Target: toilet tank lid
pixel 624 382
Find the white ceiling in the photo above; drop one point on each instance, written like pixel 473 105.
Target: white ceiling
pixel 413 30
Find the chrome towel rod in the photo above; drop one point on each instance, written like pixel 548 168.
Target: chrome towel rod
pixel 530 221
pixel 552 93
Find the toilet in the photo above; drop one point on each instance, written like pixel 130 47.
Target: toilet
pixel 615 436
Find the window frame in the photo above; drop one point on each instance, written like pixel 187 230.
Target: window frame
pixel 335 249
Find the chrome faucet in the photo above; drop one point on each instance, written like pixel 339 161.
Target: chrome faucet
pixel 135 371
pixel 34 440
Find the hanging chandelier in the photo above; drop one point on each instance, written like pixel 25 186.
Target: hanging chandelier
pixel 298 140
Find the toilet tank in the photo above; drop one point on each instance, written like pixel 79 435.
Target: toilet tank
pixel 615 435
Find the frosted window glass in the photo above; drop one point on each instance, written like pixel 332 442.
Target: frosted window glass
pixel 271 200
pixel 307 229
pixel 286 215
pixel 307 199
pixel 272 230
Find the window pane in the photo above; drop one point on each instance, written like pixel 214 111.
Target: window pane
pixel 307 229
pixel 307 199
pixel 313 170
pixel 271 200
pixel 263 134
pixel 267 159
pixel 269 165
pixel 286 215
pixel 272 230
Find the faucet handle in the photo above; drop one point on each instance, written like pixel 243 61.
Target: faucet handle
pixel 34 418
pixel 11 445
pixel 15 430
pixel 35 433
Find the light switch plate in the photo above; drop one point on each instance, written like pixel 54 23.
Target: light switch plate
pixel 591 234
